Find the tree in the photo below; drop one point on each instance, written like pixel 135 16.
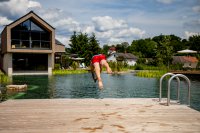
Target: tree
pixel 176 43
pixel 92 49
pixel 194 42
pixel 74 45
pixel 125 46
pixel 164 50
pixel 144 48
pixel 84 46
pixel 185 43
pixel 82 41
pixel 105 49
pixel 122 48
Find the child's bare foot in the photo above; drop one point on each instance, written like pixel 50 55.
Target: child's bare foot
pixel 100 85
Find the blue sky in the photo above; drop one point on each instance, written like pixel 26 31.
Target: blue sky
pixel 112 21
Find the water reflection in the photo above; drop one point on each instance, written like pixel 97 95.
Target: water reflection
pixel 37 87
pixel 115 86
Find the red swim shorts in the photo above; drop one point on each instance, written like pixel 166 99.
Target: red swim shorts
pixel 98 58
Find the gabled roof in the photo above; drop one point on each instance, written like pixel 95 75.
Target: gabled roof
pixel 58 42
pixel 184 59
pixel 31 12
pixel 126 55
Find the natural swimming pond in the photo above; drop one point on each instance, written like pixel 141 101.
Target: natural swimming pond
pixel 115 86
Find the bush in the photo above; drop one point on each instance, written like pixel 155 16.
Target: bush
pixel 116 66
pixel 57 66
pixel 176 67
pixel 3 94
pixel 141 61
pixel 74 65
pixel 4 79
pixel 139 67
pixel 113 66
pixel 119 66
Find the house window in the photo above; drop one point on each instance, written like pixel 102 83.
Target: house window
pixel 29 34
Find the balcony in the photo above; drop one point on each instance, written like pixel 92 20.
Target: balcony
pixel 27 44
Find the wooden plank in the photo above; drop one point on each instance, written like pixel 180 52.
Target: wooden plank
pixel 186 72
pixel 96 115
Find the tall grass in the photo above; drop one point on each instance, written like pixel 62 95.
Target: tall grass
pixel 4 79
pixel 151 73
pixel 118 66
pixel 148 67
pixel 63 72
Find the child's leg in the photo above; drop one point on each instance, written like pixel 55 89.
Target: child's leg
pixel 97 70
pixel 106 65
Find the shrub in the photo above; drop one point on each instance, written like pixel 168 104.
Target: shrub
pixel 116 66
pixel 139 67
pixel 74 65
pixel 176 67
pixel 57 66
pixel 3 94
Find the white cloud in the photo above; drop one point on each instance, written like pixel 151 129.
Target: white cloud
pixel 188 34
pixel 114 40
pixel 165 1
pixel 196 9
pixel 112 30
pixel 34 4
pixel 108 23
pixel 17 7
pixel 50 14
pixel 59 20
pixel 131 32
pixel 4 20
pixel 89 29
pixel 67 24
pixel 105 34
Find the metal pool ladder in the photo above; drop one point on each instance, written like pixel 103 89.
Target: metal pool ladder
pixel 178 86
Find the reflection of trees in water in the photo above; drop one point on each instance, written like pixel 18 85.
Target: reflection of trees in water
pixel 37 86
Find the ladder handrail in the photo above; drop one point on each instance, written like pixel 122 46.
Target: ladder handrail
pixel 178 86
pixel 169 81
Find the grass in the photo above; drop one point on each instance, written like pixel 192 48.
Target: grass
pixel 69 71
pixel 4 79
pixel 151 73
pixel 148 67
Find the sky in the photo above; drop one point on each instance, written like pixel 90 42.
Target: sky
pixel 112 21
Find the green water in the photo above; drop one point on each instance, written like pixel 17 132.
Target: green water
pixel 115 86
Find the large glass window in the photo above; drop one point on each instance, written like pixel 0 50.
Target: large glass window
pixel 30 62
pixel 24 35
pixel 35 36
pixel 45 36
pixel 35 27
pixel 26 25
pixel 29 34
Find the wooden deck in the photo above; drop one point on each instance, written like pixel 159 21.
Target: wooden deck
pixel 96 115
pixel 195 72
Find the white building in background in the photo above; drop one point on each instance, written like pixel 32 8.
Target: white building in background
pixel 129 58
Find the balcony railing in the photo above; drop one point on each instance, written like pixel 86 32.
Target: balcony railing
pixel 27 44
